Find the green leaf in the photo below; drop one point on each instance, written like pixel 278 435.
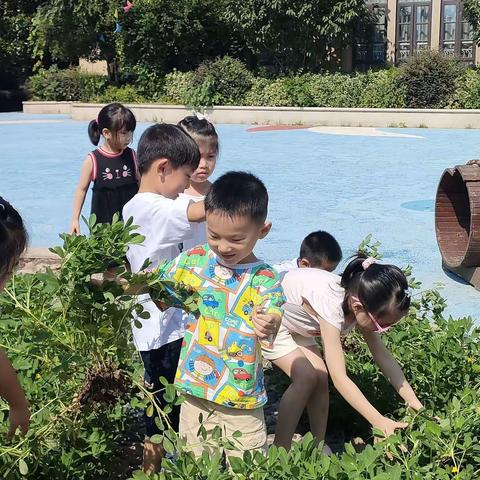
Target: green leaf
pixel 23 467
pixel 109 296
pixel 139 475
pixel 158 439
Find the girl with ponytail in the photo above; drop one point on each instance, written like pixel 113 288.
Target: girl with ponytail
pixel 112 167
pixel 368 296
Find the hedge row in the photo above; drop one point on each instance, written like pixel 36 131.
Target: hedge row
pixel 428 80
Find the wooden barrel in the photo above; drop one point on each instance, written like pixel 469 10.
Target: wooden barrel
pixel 457 216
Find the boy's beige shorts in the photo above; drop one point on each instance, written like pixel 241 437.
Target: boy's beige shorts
pixel 250 422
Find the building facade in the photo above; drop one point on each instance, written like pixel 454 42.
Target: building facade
pixel 404 27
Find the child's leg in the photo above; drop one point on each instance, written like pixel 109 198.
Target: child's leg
pixel 161 362
pixel 251 423
pixel 317 405
pixel 192 410
pixel 295 399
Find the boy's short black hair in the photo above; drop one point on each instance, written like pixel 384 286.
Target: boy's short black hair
pixel 164 140
pixel 236 194
pixel 320 246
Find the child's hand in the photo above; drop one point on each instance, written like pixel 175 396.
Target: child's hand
pixel 75 228
pixel 388 426
pixel 415 404
pixel 19 417
pixel 265 324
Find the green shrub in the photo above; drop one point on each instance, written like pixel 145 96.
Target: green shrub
pixel 69 341
pixel 383 90
pixel 224 81
pixel 467 90
pixel 148 83
pixel 125 94
pixel 290 92
pixel 276 94
pixel 337 90
pixel 176 86
pixel 429 79
pixel 66 85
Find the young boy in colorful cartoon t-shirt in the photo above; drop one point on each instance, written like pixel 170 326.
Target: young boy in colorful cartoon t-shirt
pixel 220 368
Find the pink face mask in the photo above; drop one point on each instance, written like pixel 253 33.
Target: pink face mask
pixel 378 327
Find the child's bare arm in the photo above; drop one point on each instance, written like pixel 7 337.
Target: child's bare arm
pixel 196 212
pixel 12 392
pixel 391 369
pixel 80 194
pixel 335 360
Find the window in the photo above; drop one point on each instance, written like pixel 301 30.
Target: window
pixel 371 45
pixel 456 34
pixel 413 27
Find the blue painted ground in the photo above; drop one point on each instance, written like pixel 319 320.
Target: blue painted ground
pixel 348 185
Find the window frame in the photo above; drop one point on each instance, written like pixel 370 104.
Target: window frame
pixel 369 45
pixel 459 21
pixel 412 27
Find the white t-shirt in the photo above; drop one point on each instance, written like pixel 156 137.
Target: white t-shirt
pixel 322 290
pixel 283 267
pixel 164 224
pixel 198 229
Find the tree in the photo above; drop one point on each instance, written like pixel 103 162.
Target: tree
pixel 167 34
pixel 295 34
pixel 16 49
pixel 471 10
pixel 68 30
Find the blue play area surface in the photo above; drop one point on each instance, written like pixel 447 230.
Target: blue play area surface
pixel 349 185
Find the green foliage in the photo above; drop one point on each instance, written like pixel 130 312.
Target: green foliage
pixel 147 83
pixel 378 89
pixel 429 79
pixel 283 92
pixel 471 11
pixel 297 34
pixel 125 94
pixel 435 449
pixel 224 81
pixel 68 30
pixel 176 86
pixel 338 90
pixel 227 81
pixel 69 339
pixel 441 359
pixel 166 34
pixel 467 90
pixel 66 85
pixel 16 50
pixel 383 90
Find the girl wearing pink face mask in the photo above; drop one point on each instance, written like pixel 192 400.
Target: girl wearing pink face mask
pixel 13 240
pixel 369 296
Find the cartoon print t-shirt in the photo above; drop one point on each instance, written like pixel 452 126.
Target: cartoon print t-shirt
pixel 221 356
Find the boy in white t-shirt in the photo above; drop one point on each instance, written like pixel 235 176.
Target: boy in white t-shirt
pixel 167 157
pixel 318 250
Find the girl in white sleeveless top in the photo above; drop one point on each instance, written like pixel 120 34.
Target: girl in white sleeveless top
pixel 203 132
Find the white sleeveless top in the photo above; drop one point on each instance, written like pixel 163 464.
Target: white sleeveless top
pixel 322 290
